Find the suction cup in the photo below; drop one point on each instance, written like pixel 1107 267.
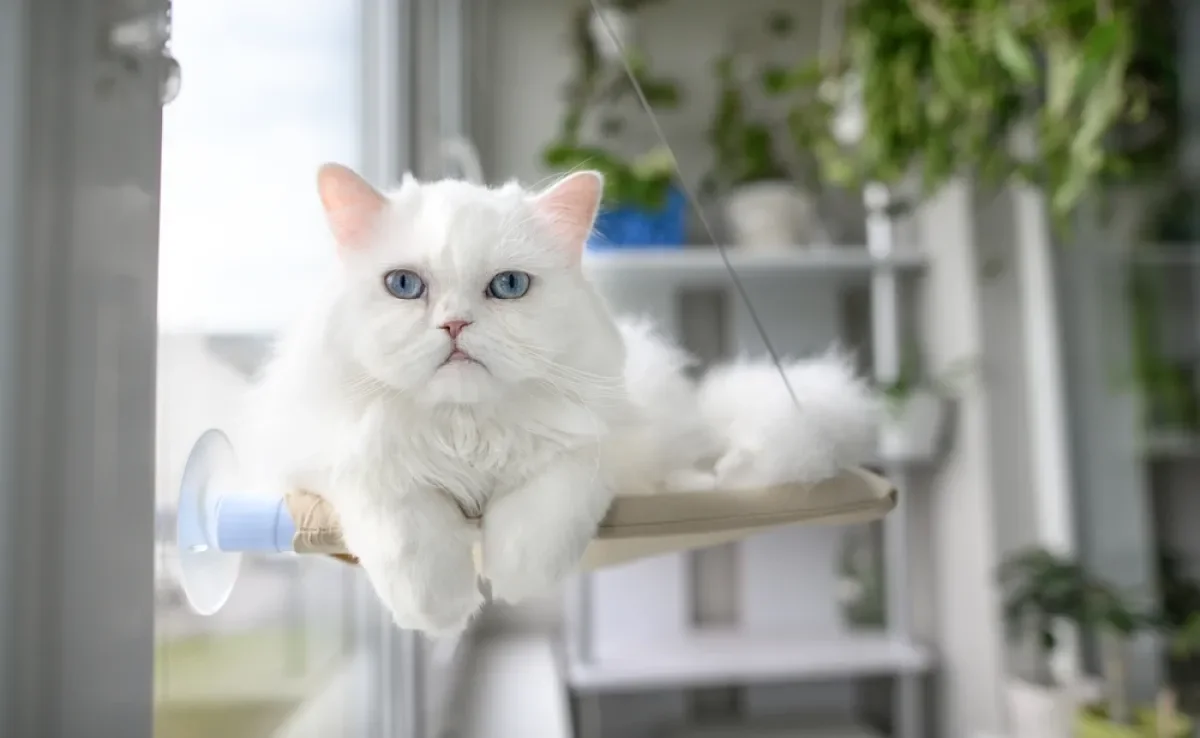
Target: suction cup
pixel 206 573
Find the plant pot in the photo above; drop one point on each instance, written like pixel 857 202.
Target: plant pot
pixel 1092 722
pixel 849 119
pixel 1039 711
pixel 861 577
pixel 772 216
pixel 629 226
pixel 913 427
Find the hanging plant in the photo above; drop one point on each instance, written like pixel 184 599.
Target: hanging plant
pixel 744 144
pixel 1046 91
pixel 599 82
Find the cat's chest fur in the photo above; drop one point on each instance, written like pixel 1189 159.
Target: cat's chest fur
pixel 472 454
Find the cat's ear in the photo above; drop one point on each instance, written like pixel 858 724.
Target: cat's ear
pixel 352 206
pixel 570 207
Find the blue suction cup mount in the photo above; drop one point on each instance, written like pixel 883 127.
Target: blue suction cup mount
pixel 207 573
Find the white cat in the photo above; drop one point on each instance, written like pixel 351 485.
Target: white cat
pixel 461 366
pixel 459 363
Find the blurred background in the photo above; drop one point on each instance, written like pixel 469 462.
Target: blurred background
pixel 992 203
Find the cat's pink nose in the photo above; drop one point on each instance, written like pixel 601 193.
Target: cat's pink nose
pixel 454 327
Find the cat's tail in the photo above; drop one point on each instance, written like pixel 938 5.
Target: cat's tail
pixel 766 438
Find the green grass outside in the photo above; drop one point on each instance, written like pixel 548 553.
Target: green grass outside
pixel 238 685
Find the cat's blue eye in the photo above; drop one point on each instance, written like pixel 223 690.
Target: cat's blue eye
pixel 508 285
pixel 404 284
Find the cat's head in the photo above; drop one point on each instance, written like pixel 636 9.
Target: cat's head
pixel 459 293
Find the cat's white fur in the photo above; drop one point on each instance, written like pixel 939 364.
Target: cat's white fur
pixel 767 437
pixel 562 406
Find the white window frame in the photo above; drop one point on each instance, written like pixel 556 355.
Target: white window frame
pixel 79 346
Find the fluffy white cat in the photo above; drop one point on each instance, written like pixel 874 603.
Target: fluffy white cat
pixel 461 366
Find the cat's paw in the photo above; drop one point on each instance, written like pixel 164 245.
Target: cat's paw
pixel 534 537
pixel 513 581
pixel 521 563
pixel 434 597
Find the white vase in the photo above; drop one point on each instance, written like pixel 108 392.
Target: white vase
pixel 1038 711
pixel 849 119
pixel 913 427
pixel 772 216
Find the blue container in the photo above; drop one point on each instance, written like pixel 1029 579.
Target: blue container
pixel 629 227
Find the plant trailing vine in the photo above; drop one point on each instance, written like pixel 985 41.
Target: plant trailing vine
pixel 1057 93
pixel 591 96
pixel 744 147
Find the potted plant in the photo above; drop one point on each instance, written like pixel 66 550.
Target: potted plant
pixel 1042 591
pixel 764 207
pixel 1062 94
pixel 1184 642
pixel 861 577
pixel 642 204
pixel 1117 623
pixel 917 411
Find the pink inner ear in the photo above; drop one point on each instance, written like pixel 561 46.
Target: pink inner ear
pixel 352 206
pixel 570 208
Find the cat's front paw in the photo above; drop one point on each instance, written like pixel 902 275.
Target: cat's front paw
pixel 534 536
pixel 525 557
pixel 434 597
pixel 520 570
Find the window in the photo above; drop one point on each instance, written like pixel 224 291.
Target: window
pixel 270 90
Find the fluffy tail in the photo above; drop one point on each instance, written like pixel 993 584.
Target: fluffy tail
pixel 766 439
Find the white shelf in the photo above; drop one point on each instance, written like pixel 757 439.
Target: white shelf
pixel 781 730
pixel 716 659
pixel 1166 255
pixel 704 265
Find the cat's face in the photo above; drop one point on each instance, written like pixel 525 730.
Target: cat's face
pixel 456 293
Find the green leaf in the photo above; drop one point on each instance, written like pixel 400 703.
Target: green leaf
pixel 612 126
pixel 1102 40
pixel 1014 56
pixel 775 81
pixel 948 76
pixel 660 94
pixel 780 24
pixel 1063 69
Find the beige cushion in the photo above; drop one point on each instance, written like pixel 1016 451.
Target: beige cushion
pixel 649 525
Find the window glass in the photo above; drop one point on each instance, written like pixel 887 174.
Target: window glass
pixel 269 91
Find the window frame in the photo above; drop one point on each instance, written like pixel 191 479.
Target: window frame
pixel 78 341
